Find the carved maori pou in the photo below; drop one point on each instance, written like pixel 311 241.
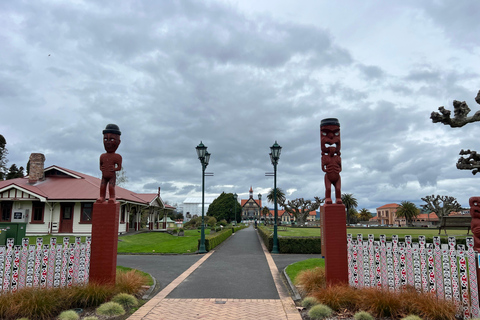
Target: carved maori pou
pixel 331 161
pixel 475 224
pixel 110 162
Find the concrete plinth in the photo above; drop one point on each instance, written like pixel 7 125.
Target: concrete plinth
pixel 103 259
pixel 334 243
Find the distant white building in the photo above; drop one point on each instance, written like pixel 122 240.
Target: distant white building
pixel 193 207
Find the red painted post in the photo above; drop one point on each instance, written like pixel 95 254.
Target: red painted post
pixel 103 259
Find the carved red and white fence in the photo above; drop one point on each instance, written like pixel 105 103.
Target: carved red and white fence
pixel 44 265
pixel 447 270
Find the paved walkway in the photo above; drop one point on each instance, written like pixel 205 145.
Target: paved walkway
pixel 238 280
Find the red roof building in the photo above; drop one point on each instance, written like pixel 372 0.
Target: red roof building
pixel 57 200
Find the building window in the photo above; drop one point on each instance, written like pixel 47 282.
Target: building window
pixel 38 209
pixel 6 210
pixel 86 216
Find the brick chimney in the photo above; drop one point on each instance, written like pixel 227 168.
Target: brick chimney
pixel 37 161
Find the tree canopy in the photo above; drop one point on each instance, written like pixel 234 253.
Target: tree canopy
pixel 350 202
pixel 280 196
pixel 364 215
pixel 300 208
pixel 223 208
pixel 441 205
pixel 407 210
pixel 14 172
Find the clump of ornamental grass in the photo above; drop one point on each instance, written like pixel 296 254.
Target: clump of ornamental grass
pixel 32 303
pixel 311 280
pixel 320 311
pixel 90 295
pixel 110 309
pixel 363 315
pixel 126 300
pixel 412 317
pixel 426 305
pixel 130 282
pixel 381 303
pixel 68 315
pixel 338 297
pixel 309 302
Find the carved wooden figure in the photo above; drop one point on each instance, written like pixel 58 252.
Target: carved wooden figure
pixel 331 160
pixel 110 162
pixel 475 224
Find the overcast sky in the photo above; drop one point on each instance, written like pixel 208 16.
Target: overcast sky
pixel 240 75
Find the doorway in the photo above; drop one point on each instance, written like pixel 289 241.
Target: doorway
pixel 66 218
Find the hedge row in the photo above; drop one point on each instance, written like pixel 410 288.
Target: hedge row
pixel 213 240
pixel 291 244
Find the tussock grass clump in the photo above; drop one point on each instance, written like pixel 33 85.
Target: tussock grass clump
pixel 339 297
pixel 382 303
pixel 126 300
pixel 320 311
pixel 427 305
pixel 412 317
pixel 110 309
pixel 311 280
pixel 90 295
pixel 68 315
pixel 130 282
pixel 309 302
pixel 363 315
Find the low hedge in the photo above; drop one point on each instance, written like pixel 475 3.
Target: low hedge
pixel 213 240
pixel 291 244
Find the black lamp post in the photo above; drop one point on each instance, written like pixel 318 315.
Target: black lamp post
pixel 235 196
pixel 204 158
pixel 274 157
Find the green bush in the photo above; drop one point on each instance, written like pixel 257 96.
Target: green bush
pixel 126 300
pixel 363 315
pixel 68 315
pixel 110 309
pixel 309 302
pixel 320 311
pixel 213 240
pixel 306 245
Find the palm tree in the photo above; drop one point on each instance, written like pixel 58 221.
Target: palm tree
pixel 265 213
pixel 280 196
pixel 350 203
pixel 364 214
pixel 407 210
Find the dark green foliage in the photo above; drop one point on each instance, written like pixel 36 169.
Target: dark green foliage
pixel 14 172
pixel 211 241
pixel 291 244
pixel 223 208
pixel 194 223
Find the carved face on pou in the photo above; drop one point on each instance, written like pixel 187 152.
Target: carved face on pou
pixel 111 141
pixel 330 139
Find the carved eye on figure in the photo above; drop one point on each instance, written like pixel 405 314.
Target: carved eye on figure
pixel 337 134
pixel 324 133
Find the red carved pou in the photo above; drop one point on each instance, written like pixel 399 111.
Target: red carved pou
pixel 110 162
pixel 475 224
pixel 331 161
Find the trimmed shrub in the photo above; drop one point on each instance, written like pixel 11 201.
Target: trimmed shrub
pixel 309 302
pixel 305 245
pixel 110 309
pixel 126 300
pixel 68 315
pixel 320 311
pixel 211 241
pixel 363 315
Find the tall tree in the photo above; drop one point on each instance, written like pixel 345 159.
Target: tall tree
pixel 364 215
pixel 280 196
pixel 3 157
pixel 265 212
pixel 224 207
pixel 441 205
pixel 14 172
pixel 349 202
pixel 407 210
pixel 300 208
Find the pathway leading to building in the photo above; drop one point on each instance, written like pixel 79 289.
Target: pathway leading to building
pixel 238 280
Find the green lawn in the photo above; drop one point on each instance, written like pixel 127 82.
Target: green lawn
pixel 160 242
pixel 295 268
pixel 401 232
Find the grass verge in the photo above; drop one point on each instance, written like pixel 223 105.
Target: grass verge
pixel 295 268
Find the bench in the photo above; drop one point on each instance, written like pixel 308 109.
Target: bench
pixel 455 222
